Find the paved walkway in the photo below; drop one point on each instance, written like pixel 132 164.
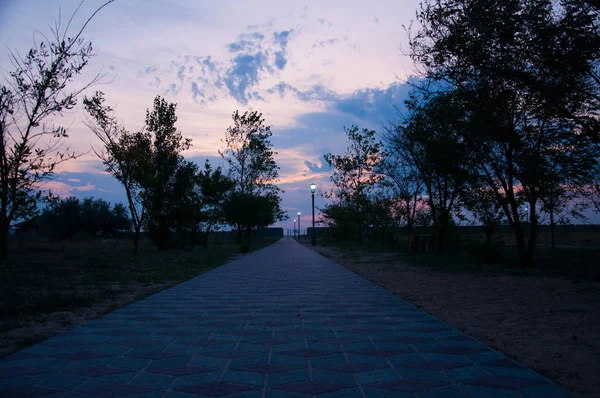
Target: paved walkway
pixel 284 321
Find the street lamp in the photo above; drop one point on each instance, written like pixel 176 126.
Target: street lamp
pixel 294 229
pixel 313 188
pixel 299 230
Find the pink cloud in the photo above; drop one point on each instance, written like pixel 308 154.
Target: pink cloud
pixel 58 188
pixel 87 187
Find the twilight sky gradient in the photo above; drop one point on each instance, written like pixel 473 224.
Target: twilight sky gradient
pixel 311 68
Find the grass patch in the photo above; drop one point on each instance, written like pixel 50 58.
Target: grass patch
pixel 42 278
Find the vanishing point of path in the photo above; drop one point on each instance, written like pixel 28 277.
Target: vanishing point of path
pixel 283 321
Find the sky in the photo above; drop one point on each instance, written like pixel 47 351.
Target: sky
pixel 310 67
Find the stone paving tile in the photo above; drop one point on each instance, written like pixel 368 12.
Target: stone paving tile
pixel 409 385
pixel 352 367
pixel 214 389
pixel 181 370
pixel 383 353
pixel 96 371
pixel 62 381
pixel 266 368
pixel 312 387
pixel 7 373
pixel 115 390
pixel 27 391
pixel 281 322
pixel 433 365
pixel 307 353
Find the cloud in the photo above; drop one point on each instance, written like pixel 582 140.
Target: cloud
pixel 253 57
pixel 244 74
pixel 280 60
pixel 242 45
pixel 85 188
pixel 281 88
pixel 198 76
pixel 317 92
pixel 372 105
pixel 282 37
pixel 324 43
pixel 58 188
pixel 196 92
pixel 253 35
pixel 100 185
pixel 315 168
pixel 208 63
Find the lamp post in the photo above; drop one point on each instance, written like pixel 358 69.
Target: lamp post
pixel 294 229
pixel 313 188
pixel 299 231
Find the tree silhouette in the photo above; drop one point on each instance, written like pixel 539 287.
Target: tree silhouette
pixel 35 91
pixel 251 166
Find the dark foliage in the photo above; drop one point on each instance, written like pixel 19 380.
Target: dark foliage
pixel 89 217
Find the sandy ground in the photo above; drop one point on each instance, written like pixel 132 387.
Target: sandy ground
pixel 547 323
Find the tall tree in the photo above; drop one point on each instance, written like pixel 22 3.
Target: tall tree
pixel 186 201
pixel 215 187
pixel 124 154
pixel 34 92
pixel 170 177
pixel 400 169
pixel 433 137
pixel 251 160
pixel 481 202
pixel 354 173
pixel 523 68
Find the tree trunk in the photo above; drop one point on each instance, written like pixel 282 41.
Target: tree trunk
pixel 522 250
pixel 519 235
pixel 441 239
pixel 206 239
pixel 410 230
pixel 193 234
pixel 358 220
pixel 238 239
pixel 532 236
pixel 3 242
pixel 441 228
pixel 552 227
pixel 136 239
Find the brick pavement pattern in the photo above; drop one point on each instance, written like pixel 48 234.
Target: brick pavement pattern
pixel 281 322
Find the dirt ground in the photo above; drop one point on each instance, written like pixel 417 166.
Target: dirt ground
pixel 548 323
